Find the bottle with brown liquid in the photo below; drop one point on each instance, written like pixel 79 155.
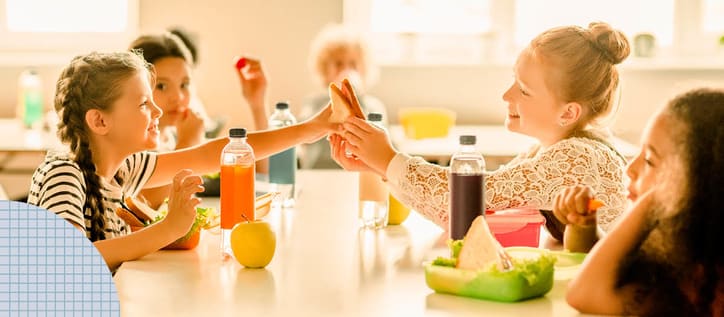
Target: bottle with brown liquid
pixel 467 187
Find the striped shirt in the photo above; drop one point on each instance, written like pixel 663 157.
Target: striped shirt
pixel 59 186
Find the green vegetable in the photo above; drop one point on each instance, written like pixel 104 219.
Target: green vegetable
pixel 452 261
pixel 213 175
pixel 202 218
pixel 455 246
pixel 443 261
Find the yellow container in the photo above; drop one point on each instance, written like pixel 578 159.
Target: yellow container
pixel 422 123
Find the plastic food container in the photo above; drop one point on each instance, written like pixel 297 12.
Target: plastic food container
pixel 423 123
pixel 533 276
pixel 516 227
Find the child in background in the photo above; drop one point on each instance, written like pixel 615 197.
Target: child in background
pixel 109 120
pixel 182 125
pixel 337 53
pixel 664 257
pixel 253 84
pixel 564 81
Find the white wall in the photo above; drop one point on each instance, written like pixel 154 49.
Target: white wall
pixel 279 31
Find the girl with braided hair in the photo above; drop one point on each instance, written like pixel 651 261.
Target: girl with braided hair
pixel 109 121
pixel 564 82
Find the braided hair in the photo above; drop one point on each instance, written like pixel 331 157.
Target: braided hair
pixel 91 81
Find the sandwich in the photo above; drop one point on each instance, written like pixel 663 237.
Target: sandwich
pixel 480 248
pixel 342 107
pixel 136 213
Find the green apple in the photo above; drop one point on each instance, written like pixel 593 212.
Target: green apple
pixel 253 243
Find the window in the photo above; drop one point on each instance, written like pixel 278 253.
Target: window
pixel 649 16
pixel 713 16
pixel 423 31
pixel 56 30
pixel 492 31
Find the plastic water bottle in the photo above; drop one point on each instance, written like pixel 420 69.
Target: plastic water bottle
pixel 237 185
pixel 467 187
pixel 30 99
pixel 283 165
pixel 373 192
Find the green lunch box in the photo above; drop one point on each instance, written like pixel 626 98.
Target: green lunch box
pixel 531 277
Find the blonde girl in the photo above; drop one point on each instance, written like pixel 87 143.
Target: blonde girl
pixel 563 82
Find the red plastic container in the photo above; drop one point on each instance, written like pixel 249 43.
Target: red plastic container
pixel 516 227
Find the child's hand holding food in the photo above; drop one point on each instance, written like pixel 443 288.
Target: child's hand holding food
pixel 182 202
pixel 572 206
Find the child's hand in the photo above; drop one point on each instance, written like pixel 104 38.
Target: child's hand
pixel 369 143
pixel 571 206
pixel 182 202
pixel 337 144
pixel 253 82
pixel 320 125
pixel 189 129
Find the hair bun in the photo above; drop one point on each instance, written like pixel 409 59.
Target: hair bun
pixel 613 43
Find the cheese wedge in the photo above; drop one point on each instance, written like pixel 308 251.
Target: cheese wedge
pixel 479 247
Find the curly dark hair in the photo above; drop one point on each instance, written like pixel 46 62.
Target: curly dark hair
pixel 695 258
pixel 91 81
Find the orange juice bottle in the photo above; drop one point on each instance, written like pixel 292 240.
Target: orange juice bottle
pixel 237 185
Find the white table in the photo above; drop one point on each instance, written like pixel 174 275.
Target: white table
pixel 495 142
pixel 323 266
pixel 18 143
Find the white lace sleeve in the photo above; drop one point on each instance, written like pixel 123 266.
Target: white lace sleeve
pixel 528 182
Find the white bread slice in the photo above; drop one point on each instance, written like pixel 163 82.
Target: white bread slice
pixel 341 106
pixel 479 247
pixel 139 208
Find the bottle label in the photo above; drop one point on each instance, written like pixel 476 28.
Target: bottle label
pixel 283 167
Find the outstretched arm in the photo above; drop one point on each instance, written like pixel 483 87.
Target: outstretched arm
pixel 205 158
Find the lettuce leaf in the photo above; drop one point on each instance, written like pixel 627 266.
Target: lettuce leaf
pixel 202 218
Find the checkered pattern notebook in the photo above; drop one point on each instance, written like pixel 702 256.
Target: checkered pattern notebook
pixel 48 268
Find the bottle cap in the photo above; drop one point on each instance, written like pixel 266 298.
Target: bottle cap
pixel 467 140
pixel 237 132
pixel 282 105
pixel 374 116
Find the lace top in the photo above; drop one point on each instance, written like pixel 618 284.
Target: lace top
pixel 530 180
